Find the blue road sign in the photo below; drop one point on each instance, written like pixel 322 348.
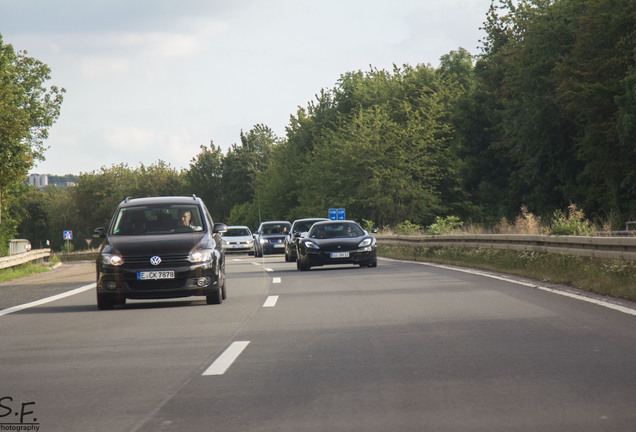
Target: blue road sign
pixel 68 235
pixel 337 214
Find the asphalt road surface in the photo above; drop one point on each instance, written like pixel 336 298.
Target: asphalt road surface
pixel 402 347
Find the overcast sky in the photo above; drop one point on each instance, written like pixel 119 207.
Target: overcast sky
pixel 150 80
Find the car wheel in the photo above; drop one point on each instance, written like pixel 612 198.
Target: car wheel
pixel 302 266
pixel 286 256
pixel 216 297
pixel 105 302
pixel 224 287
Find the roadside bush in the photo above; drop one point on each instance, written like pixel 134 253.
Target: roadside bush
pixel 407 228
pixel 444 225
pixel 572 223
pixel 367 225
pixel 525 223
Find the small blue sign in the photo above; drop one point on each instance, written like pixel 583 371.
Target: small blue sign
pixel 68 235
pixel 341 214
pixel 333 214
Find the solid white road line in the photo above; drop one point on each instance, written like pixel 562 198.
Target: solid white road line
pixel 271 301
pixel 606 304
pixel 225 360
pixel 46 300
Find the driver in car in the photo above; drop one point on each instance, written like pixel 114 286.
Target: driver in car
pixel 185 217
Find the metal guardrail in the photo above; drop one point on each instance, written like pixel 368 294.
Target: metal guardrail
pixel 25 257
pixel 619 248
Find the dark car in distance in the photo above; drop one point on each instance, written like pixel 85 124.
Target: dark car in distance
pixel 270 237
pixel 298 227
pixel 336 242
pixel 160 247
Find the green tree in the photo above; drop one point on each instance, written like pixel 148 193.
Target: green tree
pixel 205 179
pixel 34 224
pixel 27 110
pixel 243 163
pixel 596 87
pixel 97 194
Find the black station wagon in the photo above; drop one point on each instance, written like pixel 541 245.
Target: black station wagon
pixel 160 247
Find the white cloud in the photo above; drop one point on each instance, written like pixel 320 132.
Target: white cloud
pixel 155 79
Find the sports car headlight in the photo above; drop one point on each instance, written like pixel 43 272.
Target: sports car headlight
pixel 204 255
pixel 110 259
pixel 311 245
pixel 366 242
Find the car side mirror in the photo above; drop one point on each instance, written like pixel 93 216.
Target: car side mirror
pixel 99 232
pixel 219 228
pixel 374 230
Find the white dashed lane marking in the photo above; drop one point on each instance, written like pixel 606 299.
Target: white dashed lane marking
pixel 271 301
pixel 225 360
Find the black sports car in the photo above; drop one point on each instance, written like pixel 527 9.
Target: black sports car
pixel 336 242
pixel 160 247
pixel 298 227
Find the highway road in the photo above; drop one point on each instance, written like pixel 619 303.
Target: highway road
pixel 402 347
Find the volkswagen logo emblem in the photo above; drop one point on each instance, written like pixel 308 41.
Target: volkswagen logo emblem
pixel 155 260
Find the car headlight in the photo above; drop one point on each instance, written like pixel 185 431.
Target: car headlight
pixel 366 242
pixel 311 245
pixel 226 242
pixel 250 242
pixel 112 259
pixel 204 255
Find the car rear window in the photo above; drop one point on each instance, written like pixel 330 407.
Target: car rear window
pixel 276 228
pixel 237 232
pixel 157 219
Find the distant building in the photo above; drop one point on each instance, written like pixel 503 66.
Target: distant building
pixel 39 180
pixel 44 180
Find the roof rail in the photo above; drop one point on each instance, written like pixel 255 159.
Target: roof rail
pixel 194 197
pixel 127 199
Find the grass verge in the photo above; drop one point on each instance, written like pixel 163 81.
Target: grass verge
pixel 606 277
pixel 23 270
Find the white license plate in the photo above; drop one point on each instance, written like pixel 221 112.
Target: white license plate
pixel 279 245
pixel 339 254
pixel 154 275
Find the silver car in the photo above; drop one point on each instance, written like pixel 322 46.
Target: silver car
pixel 238 239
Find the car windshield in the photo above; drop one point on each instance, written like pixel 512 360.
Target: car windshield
pixel 275 229
pixel 303 226
pixel 237 232
pixel 158 219
pixel 336 230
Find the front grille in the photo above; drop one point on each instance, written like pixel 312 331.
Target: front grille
pixel 161 284
pixel 173 260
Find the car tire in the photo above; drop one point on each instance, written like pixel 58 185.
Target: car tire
pixel 216 297
pixel 105 302
pixel 302 266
